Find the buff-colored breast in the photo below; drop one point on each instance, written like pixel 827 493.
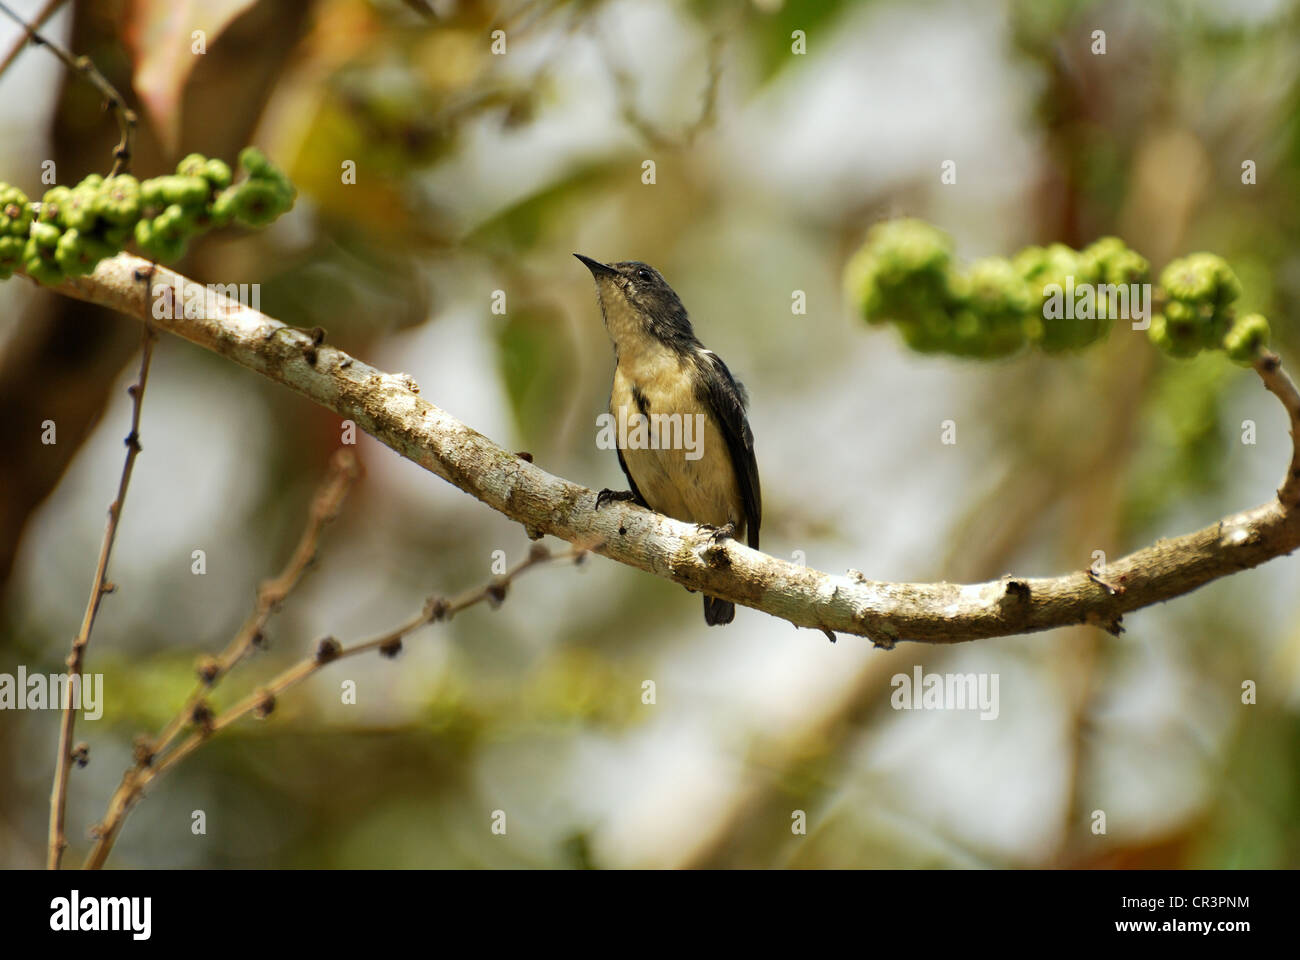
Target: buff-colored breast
pixel 700 490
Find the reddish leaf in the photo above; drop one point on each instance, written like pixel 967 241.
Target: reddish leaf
pixel 160 35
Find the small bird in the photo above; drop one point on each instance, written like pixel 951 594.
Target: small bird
pixel 664 374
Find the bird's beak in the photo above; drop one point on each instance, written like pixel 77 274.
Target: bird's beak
pixel 596 267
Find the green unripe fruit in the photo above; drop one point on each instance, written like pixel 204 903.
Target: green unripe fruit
pixel 185 191
pixel 68 251
pixel 994 286
pixel 1127 267
pixel 859 273
pixel 74 228
pixel 1104 249
pixel 45 235
pixel 118 200
pixel 78 254
pixel 217 173
pixel 1176 341
pixel 151 192
pixel 39 262
pixel 1189 317
pixel 11 254
pixel 927 335
pixel 1112 262
pixel 158 244
pixel 997 299
pixel 909 248
pixel 1201 278
pixel 52 204
pixel 15 212
pixel 115 238
pixel 1059 334
pixel 257 203
pixel 191 165
pixel 222 209
pixel 44 271
pixel 254 161
pixel 79 209
pixel 175 222
pixel 1246 338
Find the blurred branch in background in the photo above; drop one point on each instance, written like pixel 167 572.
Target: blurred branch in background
pixel 84 67
pixel 50 9
pixel 98 589
pixel 325 507
pixel 625 84
pixel 261 703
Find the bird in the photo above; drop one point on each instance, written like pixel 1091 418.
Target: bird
pixel 665 377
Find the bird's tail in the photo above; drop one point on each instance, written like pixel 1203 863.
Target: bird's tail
pixel 718 611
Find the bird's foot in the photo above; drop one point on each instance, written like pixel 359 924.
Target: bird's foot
pixel 607 496
pixel 717 534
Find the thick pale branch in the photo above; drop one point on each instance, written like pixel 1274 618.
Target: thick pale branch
pixel 388 407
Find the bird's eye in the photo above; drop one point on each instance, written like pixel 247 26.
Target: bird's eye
pixel 643 275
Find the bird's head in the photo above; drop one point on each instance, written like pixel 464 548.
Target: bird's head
pixel 637 302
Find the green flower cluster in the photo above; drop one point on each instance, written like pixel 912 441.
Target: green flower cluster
pixel 76 227
pixel 1052 297
pixel 1199 291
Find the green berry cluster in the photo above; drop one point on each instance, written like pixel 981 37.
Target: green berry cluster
pixel 76 227
pixel 79 226
pixel 905 275
pixel 1051 297
pixel 1198 315
pixel 1105 271
pixel 15 221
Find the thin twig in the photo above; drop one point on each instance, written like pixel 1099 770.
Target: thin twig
pixel 83 66
pixel 51 7
pixel 100 587
pixel 325 508
pixel 625 86
pixel 1269 368
pixel 263 700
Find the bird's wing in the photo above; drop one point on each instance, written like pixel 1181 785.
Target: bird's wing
pixel 630 482
pixel 726 397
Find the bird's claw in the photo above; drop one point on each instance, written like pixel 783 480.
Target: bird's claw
pixel 607 496
pixel 717 534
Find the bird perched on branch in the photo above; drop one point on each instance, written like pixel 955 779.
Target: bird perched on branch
pixel 677 413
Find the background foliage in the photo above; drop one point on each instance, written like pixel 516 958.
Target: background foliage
pixel 479 173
